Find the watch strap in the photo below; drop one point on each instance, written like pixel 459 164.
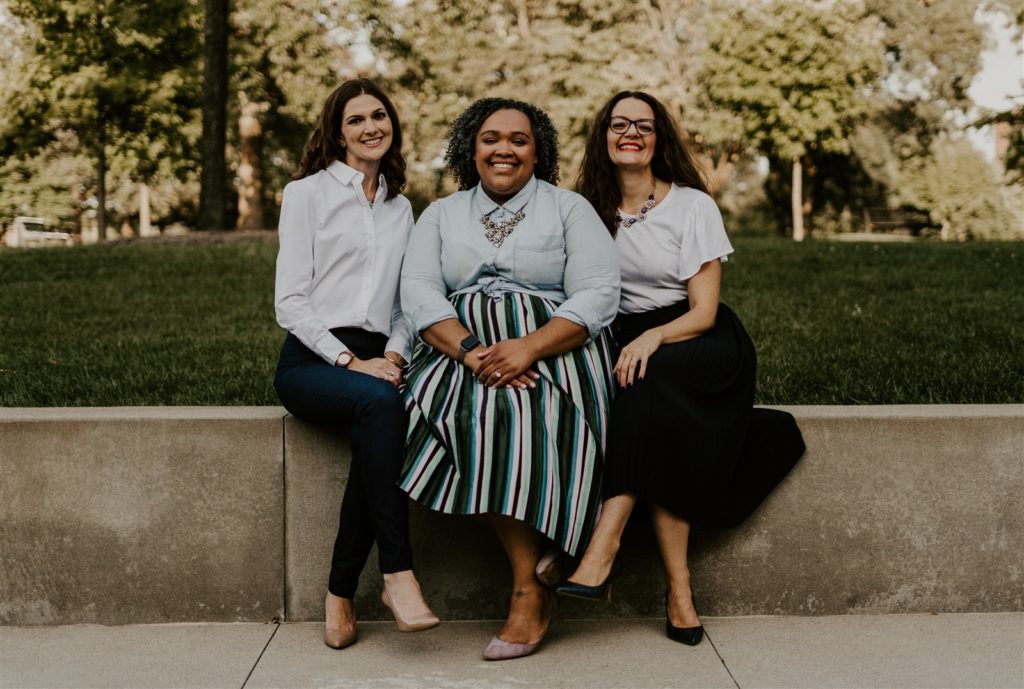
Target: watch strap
pixel 468 344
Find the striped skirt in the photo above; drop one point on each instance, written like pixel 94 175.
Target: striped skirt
pixel 535 455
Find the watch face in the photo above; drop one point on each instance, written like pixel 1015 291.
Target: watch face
pixel 469 343
pixel 344 359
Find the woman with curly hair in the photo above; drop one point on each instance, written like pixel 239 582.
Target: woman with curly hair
pixel 683 434
pixel 343 231
pixel 510 282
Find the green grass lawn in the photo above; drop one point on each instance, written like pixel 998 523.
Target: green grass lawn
pixel 834 323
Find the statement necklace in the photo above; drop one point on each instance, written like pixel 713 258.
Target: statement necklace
pixel 626 222
pixel 497 231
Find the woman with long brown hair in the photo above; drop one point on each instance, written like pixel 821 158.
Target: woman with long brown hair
pixel 343 231
pixel 683 434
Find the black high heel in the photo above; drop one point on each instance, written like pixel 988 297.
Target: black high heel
pixel 602 591
pixel 691 636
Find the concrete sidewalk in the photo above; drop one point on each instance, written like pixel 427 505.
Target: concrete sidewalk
pixel 855 651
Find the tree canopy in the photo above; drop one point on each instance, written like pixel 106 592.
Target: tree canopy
pixel 853 104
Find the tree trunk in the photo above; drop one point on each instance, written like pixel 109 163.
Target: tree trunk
pixel 720 170
pixel 797 200
pixel 213 182
pixel 101 188
pixel 250 169
pixel 145 219
pixel 523 18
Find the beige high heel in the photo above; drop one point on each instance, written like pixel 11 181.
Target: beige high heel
pixel 408 623
pixel 337 637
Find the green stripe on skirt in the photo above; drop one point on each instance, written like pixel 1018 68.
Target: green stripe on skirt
pixel 536 454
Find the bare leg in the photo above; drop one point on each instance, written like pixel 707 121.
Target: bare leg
pixel 530 609
pixel 597 561
pixel 673 537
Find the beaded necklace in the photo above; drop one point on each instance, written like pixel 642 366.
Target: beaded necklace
pixel 625 222
pixel 497 231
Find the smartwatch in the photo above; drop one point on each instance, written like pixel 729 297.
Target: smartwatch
pixel 466 346
pixel 343 360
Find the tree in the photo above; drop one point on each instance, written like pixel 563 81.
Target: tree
pixel 213 189
pixel 933 50
pixel 961 191
pixel 283 65
pixel 567 58
pixel 99 69
pixel 913 144
pixel 798 74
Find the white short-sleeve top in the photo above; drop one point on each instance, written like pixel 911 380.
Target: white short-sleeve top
pixel 658 256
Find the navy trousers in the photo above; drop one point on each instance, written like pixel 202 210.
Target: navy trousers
pixel 372 508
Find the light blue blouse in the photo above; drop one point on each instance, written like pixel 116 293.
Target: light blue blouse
pixel 560 251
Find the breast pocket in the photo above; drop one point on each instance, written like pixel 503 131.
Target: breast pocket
pixel 539 263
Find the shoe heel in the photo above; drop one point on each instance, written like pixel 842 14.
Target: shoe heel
pixel 411 624
pixel 608 593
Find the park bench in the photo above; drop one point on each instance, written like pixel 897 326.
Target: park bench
pixel 898 220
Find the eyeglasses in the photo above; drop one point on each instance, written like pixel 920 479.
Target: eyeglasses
pixel 620 125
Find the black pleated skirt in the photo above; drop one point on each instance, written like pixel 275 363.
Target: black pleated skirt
pixel 687 438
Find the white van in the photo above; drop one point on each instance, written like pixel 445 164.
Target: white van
pixel 28 232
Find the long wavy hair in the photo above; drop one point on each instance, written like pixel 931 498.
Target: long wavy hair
pixel 462 140
pixel 325 147
pixel 673 160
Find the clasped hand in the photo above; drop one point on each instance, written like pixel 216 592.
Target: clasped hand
pixel 504 364
pixel 632 363
pixel 378 368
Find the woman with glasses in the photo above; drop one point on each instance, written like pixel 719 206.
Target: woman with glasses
pixel 683 435
pixel 343 230
pixel 510 282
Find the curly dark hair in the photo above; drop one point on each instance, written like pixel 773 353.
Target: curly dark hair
pixel 324 148
pixel 462 140
pixel 673 160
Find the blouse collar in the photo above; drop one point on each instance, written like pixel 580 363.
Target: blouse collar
pixel 485 204
pixel 349 175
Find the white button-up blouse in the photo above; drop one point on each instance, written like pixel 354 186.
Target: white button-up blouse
pixel 560 250
pixel 339 261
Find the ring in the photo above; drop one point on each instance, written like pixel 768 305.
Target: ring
pixel 496 374
pixel 389 374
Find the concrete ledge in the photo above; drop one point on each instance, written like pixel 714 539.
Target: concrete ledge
pixel 136 515
pixel 182 514
pixel 892 509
